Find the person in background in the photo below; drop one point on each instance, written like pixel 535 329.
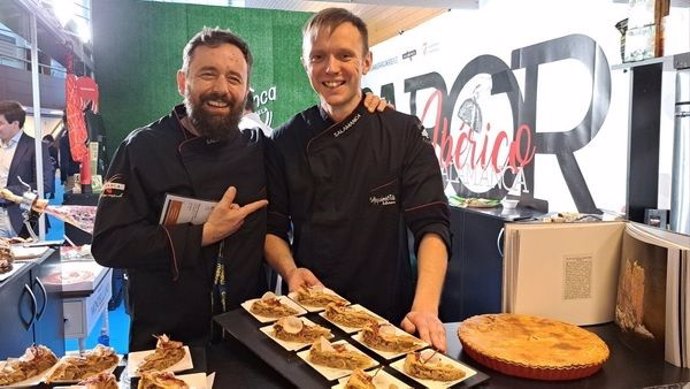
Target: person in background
pixel 182 274
pixel 49 140
pixel 17 165
pixel 251 119
pixel 348 184
pixel 68 166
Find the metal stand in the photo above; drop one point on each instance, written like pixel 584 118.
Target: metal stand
pixel 28 200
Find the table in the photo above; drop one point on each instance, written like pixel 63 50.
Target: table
pixel 238 366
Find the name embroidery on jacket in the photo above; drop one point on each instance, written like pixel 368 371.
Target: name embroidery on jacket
pixel 347 126
pixel 383 200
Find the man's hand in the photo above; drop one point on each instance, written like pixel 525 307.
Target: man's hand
pixel 428 326
pixel 300 277
pixel 227 217
pixel 375 103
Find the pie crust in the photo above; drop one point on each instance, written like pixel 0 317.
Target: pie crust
pixel 532 347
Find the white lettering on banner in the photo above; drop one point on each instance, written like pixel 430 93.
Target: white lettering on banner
pixel 261 98
pixel 485 121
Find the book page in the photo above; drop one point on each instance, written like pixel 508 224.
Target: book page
pixel 658 236
pixel 509 253
pixel 673 347
pixel 566 272
pixel 641 303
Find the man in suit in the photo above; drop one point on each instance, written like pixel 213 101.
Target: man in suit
pixel 17 164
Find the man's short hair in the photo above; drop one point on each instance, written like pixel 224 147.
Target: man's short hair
pixel 13 112
pixel 214 37
pixel 329 19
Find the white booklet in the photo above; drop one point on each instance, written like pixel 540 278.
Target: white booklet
pixel 179 209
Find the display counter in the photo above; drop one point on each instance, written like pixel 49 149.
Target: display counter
pixel 30 311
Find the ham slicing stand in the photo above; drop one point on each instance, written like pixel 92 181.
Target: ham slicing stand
pixel 28 202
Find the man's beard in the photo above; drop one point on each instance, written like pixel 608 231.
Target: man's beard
pixel 214 126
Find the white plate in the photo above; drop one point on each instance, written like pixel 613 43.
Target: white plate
pixel 108 370
pixel 351 330
pixel 398 365
pixel 311 308
pixel 264 319
pixel 195 381
pixel 15 268
pixel 33 381
pixel 290 346
pixel 390 354
pixel 383 380
pixel 136 358
pixel 332 373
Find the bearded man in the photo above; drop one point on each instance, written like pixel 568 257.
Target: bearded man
pixel 182 274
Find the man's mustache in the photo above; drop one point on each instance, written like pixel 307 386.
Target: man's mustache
pixel 227 99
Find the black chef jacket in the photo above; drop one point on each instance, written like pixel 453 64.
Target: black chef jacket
pixel 349 191
pixel 170 274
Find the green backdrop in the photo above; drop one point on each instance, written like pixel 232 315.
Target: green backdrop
pixel 138 50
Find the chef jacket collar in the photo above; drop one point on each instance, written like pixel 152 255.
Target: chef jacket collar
pixel 327 118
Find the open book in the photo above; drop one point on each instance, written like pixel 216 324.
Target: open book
pixel 592 273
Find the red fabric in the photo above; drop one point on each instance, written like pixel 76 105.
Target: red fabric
pixel 80 91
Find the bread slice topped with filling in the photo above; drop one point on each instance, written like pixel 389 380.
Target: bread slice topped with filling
pixel 36 360
pixel 161 380
pixel 100 381
pixel 269 305
pixel 429 366
pixel 317 296
pixel 384 337
pixel 293 329
pixel 337 356
pixel 349 316
pixel 168 352
pixel 360 380
pixel 90 363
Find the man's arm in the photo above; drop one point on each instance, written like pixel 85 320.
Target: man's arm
pixel 432 261
pixel 428 217
pixel 278 255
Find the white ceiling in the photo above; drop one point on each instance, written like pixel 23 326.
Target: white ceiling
pixel 385 18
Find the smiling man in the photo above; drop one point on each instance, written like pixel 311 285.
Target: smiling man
pixel 347 185
pixel 198 152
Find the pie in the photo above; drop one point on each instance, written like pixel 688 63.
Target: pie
pixel 293 329
pixel 36 360
pixel 360 380
pixel 100 381
pixel 168 352
pixel 349 316
pixel 160 380
pixel 384 337
pixel 317 297
pixel 269 305
pixel 431 367
pixel 532 347
pixel 92 362
pixel 338 356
